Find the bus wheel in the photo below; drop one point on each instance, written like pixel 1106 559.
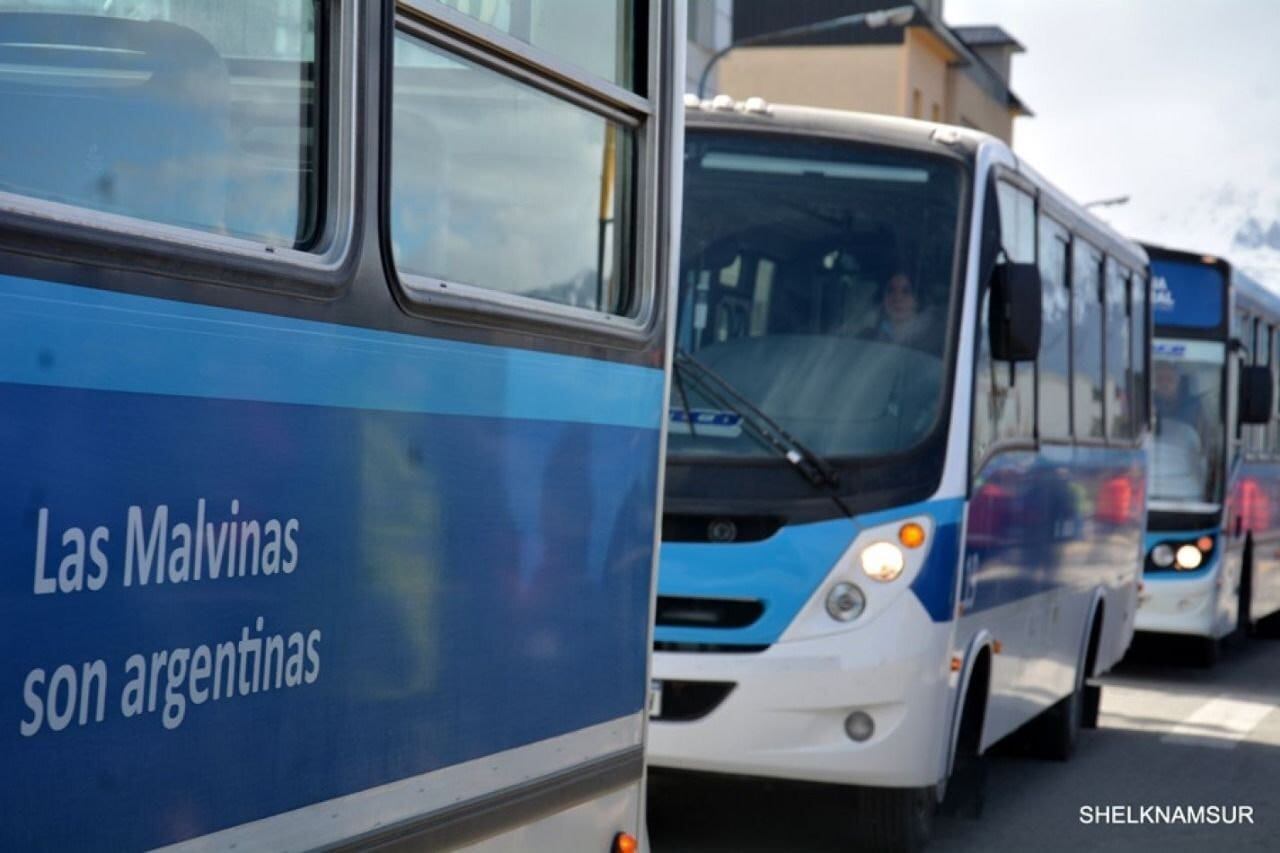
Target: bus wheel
pixel 894 819
pixel 1092 705
pixel 1244 597
pixel 1057 731
pixel 966 790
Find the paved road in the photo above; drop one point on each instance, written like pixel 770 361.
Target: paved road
pixel 1169 735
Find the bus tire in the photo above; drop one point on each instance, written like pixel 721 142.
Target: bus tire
pixel 894 819
pixel 1055 734
pixel 1244 596
pixel 1092 705
pixel 966 789
pixel 1057 731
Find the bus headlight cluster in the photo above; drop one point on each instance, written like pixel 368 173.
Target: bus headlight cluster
pixel 845 602
pixel 883 561
pixel 1184 556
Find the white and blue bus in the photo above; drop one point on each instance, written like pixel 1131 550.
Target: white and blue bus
pixel 333 346
pixel 905 482
pixel 1213 564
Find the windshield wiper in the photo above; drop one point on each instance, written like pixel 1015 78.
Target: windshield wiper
pixel 720 392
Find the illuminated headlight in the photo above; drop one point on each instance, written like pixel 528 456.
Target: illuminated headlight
pixel 1189 557
pixel 882 561
pixel 845 602
pixel 1162 555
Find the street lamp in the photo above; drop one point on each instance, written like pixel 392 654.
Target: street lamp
pixel 1107 202
pixel 897 16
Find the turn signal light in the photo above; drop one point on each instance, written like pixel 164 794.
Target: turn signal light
pixel 625 842
pixel 911 535
pixel 1205 543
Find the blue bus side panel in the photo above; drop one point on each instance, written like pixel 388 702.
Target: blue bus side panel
pixel 1254 498
pixel 464 584
pixel 1065 517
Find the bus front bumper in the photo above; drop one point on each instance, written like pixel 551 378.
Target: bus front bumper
pixel 1181 605
pixel 785 714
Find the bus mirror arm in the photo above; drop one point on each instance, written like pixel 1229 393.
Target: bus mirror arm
pixel 1255 394
pixel 1014 312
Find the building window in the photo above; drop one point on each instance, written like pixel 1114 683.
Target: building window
pixel 917 104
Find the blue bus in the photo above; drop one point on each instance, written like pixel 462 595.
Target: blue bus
pixel 333 362
pixel 905 482
pixel 1212 566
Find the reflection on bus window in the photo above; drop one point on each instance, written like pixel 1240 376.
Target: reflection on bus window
pixel 591 34
pixel 816 278
pixel 1187 396
pixel 185 113
pixel 497 185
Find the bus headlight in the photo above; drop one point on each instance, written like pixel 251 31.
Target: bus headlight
pixel 882 561
pixel 1162 555
pixel 1188 557
pixel 845 602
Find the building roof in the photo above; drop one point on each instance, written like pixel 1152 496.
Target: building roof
pixel 757 17
pixel 987 35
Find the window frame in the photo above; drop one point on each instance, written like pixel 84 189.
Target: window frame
pixel 647 117
pixel 66 231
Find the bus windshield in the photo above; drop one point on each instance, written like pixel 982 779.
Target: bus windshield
pixel 816 279
pixel 1187 393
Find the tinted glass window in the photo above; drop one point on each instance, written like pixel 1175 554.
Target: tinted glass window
pixel 1256 434
pixel 1004 393
pixel 1118 411
pixel 1086 309
pixel 1139 345
pixel 593 34
pixel 1017 223
pixel 498 185
pixel 1186 390
pixel 202 115
pixel 817 278
pixel 1055 341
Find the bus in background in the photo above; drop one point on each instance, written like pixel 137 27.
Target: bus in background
pixel 332 392
pixel 1213 549
pixel 905 480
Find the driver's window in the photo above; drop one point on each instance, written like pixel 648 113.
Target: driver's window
pixel 1003 393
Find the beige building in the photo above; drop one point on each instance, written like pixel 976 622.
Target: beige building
pixel 925 69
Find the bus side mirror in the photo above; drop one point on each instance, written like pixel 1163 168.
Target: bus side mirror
pixel 1255 395
pixel 1014 312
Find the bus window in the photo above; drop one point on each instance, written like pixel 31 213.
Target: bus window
pixel 1138 348
pixel 803 257
pixel 1262 358
pixel 541 179
pixel 571 29
pixel 195 115
pixel 1118 413
pixel 1004 394
pixel 1055 340
pixel 1086 292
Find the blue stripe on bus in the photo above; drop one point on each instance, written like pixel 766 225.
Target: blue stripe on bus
pixel 477 583
pixel 785 570
pixel 58 334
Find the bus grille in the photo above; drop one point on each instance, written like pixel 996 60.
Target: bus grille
pixel 685 701
pixel 681 612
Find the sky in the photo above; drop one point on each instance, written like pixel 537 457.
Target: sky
pixel 1175 103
